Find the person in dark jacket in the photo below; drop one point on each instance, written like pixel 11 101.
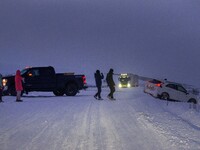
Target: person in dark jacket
pixel 98 79
pixel 111 84
pixel 1 89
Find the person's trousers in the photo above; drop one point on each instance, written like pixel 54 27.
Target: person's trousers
pixel 98 92
pixel 112 90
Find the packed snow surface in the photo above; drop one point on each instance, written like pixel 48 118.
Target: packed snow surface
pixel 134 121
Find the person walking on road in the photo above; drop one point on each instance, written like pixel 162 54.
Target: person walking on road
pixel 18 85
pixel 1 88
pixel 98 79
pixel 111 84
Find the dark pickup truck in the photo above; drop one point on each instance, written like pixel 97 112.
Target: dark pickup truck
pixel 45 79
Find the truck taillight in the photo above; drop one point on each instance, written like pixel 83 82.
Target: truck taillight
pixel 84 79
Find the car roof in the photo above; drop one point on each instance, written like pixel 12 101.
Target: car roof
pixel 164 81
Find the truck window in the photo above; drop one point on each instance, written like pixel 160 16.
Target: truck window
pixel 24 71
pixel 33 73
pixel 47 72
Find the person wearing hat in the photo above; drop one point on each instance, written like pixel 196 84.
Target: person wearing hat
pixel 111 84
pixel 98 79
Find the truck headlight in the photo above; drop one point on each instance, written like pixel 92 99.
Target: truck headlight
pixel 4 81
pixel 128 85
pixel 120 85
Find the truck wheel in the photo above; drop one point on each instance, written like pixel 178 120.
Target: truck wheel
pixel 58 93
pixel 71 89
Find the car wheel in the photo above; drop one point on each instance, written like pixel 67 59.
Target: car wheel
pixel 71 89
pixel 165 96
pixel 192 100
pixel 58 93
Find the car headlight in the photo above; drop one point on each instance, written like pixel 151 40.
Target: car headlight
pixel 4 81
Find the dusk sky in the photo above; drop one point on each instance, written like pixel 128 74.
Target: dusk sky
pixel 157 38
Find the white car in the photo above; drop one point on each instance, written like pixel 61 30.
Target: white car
pixel 169 91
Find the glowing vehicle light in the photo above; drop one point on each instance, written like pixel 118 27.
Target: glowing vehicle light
pixel 4 81
pixel 120 85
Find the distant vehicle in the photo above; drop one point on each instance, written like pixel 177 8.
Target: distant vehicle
pixel 128 80
pixel 45 79
pixel 169 91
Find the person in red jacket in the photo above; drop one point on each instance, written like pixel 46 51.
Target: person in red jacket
pixel 18 85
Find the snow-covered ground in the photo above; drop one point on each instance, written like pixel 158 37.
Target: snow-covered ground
pixel 134 121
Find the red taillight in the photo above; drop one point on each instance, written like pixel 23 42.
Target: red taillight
pixel 159 84
pixel 84 79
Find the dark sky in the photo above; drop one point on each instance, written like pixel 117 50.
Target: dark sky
pixel 158 38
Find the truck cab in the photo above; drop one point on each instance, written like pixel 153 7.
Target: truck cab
pixel 127 80
pixel 43 78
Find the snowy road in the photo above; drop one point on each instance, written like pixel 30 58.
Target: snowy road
pixel 135 121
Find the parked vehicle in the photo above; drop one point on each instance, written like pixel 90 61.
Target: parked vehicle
pixel 169 91
pixel 45 79
pixel 128 80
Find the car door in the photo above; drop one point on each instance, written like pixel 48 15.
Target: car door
pixel 182 93
pixel 171 89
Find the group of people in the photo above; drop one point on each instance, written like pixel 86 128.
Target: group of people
pixel 109 79
pixel 18 86
pixel 98 78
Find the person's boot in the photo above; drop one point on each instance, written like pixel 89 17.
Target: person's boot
pixel 100 98
pixel 19 100
pixel 95 96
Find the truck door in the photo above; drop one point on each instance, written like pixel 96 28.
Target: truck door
pixel 32 79
pixel 40 79
pixel 48 78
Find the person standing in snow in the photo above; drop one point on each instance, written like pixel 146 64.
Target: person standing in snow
pixel 111 84
pixel 18 85
pixel 1 88
pixel 98 79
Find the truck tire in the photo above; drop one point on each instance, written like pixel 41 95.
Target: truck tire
pixel 71 89
pixel 58 93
